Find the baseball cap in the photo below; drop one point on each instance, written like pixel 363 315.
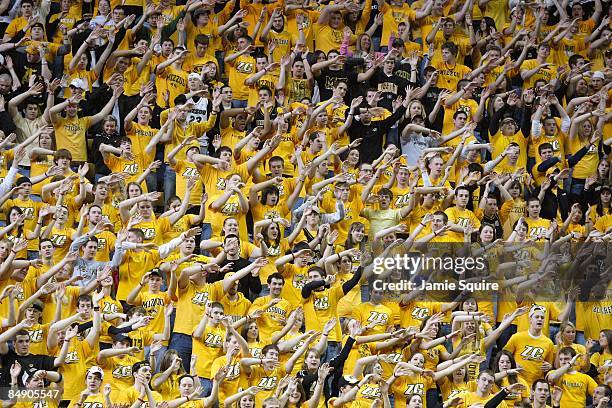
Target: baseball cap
pixel 78 83
pixel 28 373
pixel 536 308
pixel 347 380
pixel 38 305
pixel 22 180
pixel 193 75
pixel 96 370
pixel 598 74
pixel 156 272
pixel 122 338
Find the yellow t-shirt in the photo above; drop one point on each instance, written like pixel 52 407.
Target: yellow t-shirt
pixel 192 302
pixel 267 380
pixel 208 348
pixel 449 75
pixel 239 70
pixel 70 135
pixel 141 135
pixel 184 170
pixel 530 352
pixel 272 320
pixel 173 81
pixel 575 388
pixel 376 316
pixel 537 227
pixel 547 74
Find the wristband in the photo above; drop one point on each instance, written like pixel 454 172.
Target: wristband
pixel 141 400
pixel 96 309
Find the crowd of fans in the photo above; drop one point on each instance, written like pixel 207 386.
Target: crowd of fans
pixel 198 199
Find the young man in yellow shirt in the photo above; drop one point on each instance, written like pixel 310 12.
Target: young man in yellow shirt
pixel 171 79
pixel 449 70
pixel 266 372
pixel 320 303
pixel 576 386
pixel 531 349
pixel 70 130
pixel 537 225
pixel 459 217
pixel 241 65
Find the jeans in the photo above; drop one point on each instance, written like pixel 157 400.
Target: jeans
pixel 206 386
pixel 169 183
pixel 375 43
pixel 206 230
pixel 239 104
pixel 553 330
pixel 265 290
pixel 393 136
pixel 365 293
pixel 151 181
pixel 576 186
pixel 333 349
pixel 158 356
pixel 182 344
pixel 24 171
pixel 580 339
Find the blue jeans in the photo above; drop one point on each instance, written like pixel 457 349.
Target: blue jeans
pixel 182 344
pixel 239 104
pixel 265 290
pixel 158 356
pixel 576 186
pixel 552 332
pixel 375 43
pixel 332 350
pixel 206 230
pixel 24 171
pixel 365 293
pixel 151 181
pixel 169 183
pixel 206 385
pixel 580 339
pixel 393 136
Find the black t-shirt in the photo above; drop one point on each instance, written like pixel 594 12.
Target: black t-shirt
pixel 328 79
pixel 29 362
pixel 495 223
pixel 390 86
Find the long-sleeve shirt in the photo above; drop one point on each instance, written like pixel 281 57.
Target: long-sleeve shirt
pixel 373 135
pixel 88 269
pixel 8 181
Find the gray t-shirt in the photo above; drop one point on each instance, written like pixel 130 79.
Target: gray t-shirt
pixel 413 146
